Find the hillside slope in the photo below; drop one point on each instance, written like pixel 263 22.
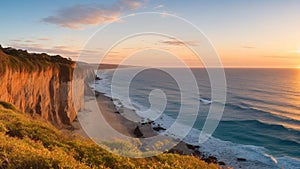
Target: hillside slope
pixel 27 142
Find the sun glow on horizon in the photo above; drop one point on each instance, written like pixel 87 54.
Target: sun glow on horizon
pixel 297 51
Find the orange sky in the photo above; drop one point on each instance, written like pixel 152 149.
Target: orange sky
pixel 244 33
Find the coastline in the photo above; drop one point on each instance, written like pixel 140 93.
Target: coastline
pixel 118 119
pixel 213 151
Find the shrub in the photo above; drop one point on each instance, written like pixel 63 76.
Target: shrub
pixel 30 143
pixel 21 60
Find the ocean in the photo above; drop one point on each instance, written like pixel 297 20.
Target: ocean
pixel 260 122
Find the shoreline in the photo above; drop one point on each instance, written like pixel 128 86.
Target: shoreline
pixel 223 154
pixel 118 117
pixel 119 120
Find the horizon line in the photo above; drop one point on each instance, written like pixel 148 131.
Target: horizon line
pixel 225 67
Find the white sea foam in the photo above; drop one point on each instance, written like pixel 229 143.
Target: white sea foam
pixel 205 101
pixel 256 157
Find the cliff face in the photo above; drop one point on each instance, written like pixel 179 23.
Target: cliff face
pixel 40 85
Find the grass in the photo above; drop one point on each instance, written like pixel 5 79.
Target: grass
pixel 29 142
pixel 21 61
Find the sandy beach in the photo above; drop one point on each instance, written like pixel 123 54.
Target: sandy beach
pixel 117 119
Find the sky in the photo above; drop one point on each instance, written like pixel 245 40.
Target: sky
pixel 242 33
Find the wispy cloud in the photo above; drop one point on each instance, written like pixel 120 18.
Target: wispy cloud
pixel 62 50
pixel 158 6
pixel 16 40
pixel 180 43
pixel 23 41
pixel 282 57
pixel 130 4
pixel 75 17
pixel 248 47
pixel 29 41
pixel 44 39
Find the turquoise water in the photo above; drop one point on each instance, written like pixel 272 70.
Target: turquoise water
pixel 261 120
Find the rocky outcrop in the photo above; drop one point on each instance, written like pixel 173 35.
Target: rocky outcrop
pixel 41 84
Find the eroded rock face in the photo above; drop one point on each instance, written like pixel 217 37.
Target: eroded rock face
pixel 47 91
pixel 40 93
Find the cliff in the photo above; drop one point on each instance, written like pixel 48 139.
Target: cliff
pixel 40 84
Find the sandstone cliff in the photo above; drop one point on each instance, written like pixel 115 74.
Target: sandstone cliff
pixel 41 84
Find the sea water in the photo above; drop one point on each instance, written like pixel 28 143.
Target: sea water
pixel 260 122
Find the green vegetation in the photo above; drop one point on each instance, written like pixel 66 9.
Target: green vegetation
pixel 20 60
pixel 29 142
